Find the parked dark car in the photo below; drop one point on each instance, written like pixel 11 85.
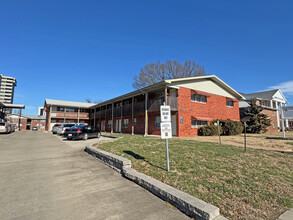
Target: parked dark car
pixel 82 132
pixel 55 127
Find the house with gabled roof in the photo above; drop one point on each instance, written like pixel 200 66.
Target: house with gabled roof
pixel 271 102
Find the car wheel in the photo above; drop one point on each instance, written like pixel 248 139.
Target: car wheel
pixel 68 138
pixel 85 137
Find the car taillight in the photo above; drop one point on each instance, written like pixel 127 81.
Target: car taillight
pixel 79 131
pixel 5 126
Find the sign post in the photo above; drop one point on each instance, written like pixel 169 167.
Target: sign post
pixel 219 133
pixel 166 128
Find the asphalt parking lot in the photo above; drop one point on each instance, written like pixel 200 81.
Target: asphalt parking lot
pixel 80 144
pixel 43 177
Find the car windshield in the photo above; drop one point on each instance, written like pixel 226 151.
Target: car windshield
pixel 69 125
pixel 79 126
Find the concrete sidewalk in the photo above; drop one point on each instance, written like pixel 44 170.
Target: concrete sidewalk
pixel 43 178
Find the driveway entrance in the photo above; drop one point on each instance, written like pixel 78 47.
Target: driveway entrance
pixel 43 178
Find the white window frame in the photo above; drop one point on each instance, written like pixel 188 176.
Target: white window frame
pixel 198 98
pixel 198 123
pixel 125 122
pixel 228 103
pixel 70 110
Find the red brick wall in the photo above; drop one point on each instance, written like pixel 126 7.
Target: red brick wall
pixel 37 123
pixel 274 122
pixel 214 108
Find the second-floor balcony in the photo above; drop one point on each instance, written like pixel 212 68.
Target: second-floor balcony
pixel 137 108
pixel 81 115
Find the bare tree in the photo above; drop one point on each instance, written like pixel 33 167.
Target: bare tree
pixel 172 69
pixel 96 101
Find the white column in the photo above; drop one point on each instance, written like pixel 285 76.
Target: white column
pixel 287 122
pixel 278 114
pixel 146 125
pixel 112 124
pixel 78 111
pixel 95 118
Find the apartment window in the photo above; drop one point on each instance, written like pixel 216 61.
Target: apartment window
pixel 197 124
pixel 53 121
pixel 69 109
pixel 265 103
pixel 157 122
pixel 61 109
pixel 134 121
pixel 230 103
pixel 125 123
pixel 109 123
pixel 83 110
pixel 198 98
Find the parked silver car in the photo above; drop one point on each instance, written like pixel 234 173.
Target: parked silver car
pixel 55 128
pixel 5 127
pixel 61 129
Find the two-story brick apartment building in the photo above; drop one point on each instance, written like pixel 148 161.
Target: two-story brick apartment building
pixel 194 102
pixel 58 111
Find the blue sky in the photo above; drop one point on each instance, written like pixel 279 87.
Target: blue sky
pixel 74 50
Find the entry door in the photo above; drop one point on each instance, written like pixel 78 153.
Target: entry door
pixel 103 125
pixel 173 123
pixel 120 122
pixel 116 125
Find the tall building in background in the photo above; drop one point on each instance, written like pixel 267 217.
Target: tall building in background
pixel 7 84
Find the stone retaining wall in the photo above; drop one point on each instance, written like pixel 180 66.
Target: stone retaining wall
pixel 186 203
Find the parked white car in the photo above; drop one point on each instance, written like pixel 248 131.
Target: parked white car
pixel 5 127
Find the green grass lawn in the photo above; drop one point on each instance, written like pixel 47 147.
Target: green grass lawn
pixel 253 185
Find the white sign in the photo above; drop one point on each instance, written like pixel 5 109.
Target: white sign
pixel 165 113
pixel 166 130
pixel 288 112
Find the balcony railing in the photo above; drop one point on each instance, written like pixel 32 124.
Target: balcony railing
pixel 69 115
pixel 154 104
pixel 138 108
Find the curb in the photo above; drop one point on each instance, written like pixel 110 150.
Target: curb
pixel 189 205
pixel 286 215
